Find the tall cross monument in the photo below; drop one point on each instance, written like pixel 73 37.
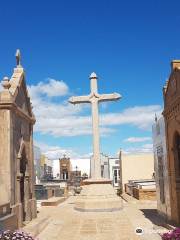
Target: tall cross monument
pixel 94 98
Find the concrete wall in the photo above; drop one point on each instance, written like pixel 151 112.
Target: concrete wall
pixel 137 166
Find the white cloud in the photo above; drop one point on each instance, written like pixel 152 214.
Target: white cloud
pixel 139 116
pixel 56 152
pixel 146 148
pixel 60 118
pixel 52 88
pixel 66 120
pixel 137 139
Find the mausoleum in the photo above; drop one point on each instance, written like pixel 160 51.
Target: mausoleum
pixel 17 200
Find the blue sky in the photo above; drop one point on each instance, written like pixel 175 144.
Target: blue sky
pixel 129 44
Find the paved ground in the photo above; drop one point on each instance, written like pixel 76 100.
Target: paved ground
pixel 65 223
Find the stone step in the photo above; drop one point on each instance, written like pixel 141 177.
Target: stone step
pixel 8 222
pixel 36 226
pixel 54 201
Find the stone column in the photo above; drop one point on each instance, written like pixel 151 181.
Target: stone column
pixel 18 178
pixel 18 208
pixel 27 205
pixel 32 176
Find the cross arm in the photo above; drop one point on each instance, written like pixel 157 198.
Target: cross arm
pixel 79 99
pixel 109 97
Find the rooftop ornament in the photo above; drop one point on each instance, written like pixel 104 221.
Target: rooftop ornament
pixel 5 83
pixel 18 58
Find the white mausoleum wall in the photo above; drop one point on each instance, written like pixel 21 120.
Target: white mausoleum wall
pixel 137 166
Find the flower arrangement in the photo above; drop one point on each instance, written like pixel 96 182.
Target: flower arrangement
pixel 172 235
pixel 15 235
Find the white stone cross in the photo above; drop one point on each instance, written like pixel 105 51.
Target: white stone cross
pixel 94 98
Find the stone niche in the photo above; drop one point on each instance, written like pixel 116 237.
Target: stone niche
pixel 17 199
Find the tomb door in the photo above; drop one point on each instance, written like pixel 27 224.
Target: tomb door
pixel 65 175
pixel 23 166
pixel 177 159
pixel 116 177
pixel 176 171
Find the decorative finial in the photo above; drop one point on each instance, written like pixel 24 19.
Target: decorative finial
pixel 165 87
pixel 93 75
pixel 5 83
pixel 18 58
pixel 156 118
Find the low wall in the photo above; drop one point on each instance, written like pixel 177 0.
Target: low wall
pixel 144 194
pixel 43 194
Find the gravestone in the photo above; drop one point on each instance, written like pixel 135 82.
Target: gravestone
pixel 48 191
pixel 42 192
pixel 17 199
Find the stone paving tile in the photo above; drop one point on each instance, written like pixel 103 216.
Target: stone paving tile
pixel 69 224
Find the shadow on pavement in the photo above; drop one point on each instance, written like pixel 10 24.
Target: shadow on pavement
pixel 154 217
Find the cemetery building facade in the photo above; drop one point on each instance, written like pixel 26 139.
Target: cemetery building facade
pixel 104 165
pixel 37 164
pixel 114 171
pixel 161 167
pixel 171 113
pixel 17 199
pixel 65 168
pixel 110 169
pixel 46 168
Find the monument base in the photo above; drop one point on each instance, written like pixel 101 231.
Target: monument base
pixel 98 196
pixel 97 181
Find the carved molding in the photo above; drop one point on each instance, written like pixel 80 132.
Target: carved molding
pixel 19 176
pixel 13 106
pixel 178 121
pixel 22 146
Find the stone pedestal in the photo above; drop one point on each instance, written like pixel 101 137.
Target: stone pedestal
pixel 98 195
